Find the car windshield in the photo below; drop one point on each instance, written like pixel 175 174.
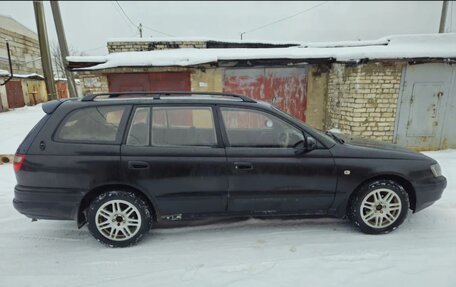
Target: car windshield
pixel 317 131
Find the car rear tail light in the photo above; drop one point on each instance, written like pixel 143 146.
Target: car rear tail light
pixel 18 161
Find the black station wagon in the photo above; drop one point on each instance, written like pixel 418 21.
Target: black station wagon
pixel 120 162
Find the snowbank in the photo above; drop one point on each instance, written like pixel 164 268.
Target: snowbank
pixel 15 125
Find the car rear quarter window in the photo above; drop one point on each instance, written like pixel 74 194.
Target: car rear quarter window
pixel 92 124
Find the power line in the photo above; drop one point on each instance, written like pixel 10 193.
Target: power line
pixel 136 26
pixel 284 18
pixel 155 30
pixel 123 18
pixel 125 14
pixel 91 49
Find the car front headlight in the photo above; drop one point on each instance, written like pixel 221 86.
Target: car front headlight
pixel 436 170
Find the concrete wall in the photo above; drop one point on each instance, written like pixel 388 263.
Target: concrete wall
pixel 3 99
pixel 362 100
pixel 93 83
pixel 208 80
pixel 25 53
pixel 34 91
pixel 317 91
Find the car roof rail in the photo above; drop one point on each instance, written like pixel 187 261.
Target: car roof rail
pixel 159 95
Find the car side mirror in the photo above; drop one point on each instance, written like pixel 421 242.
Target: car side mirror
pixel 308 144
pixel 311 143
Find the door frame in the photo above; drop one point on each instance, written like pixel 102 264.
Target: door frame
pixel 399 103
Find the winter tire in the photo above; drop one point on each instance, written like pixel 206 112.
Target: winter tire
pixel 379 207
pixel 118 219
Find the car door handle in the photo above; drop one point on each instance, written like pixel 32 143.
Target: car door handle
pixel 138 165
pixel 243 165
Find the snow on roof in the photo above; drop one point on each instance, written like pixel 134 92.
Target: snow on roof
pixel 4 73
pixel 201 39
pixel 382 41
pixel 9 23
pixel 393 47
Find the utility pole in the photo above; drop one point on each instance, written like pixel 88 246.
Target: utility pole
pixel 242 34
pixel 63 47
pixel 140 30
pixel 44 49
pixel 443 16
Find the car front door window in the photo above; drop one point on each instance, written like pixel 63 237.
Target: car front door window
pixel 252 128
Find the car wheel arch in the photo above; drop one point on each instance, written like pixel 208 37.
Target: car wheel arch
pixel 405 183
pixel 96 191
pixel 343 205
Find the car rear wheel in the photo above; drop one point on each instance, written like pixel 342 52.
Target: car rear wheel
pixel 379 207
pixel 118 219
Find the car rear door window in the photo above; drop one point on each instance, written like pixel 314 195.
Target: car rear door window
pixel 252 128
pixel 183 126
pixel 93 124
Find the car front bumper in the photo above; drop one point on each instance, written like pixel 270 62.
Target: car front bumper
pixel 429 192
pixel 45 203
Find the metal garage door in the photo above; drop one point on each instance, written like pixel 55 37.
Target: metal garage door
pixel 14 94
pixel 426 114
pixel 285 87
pixel 157 81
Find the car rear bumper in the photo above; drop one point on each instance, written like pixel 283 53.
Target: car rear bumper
pixel 429 192
pixel 45 203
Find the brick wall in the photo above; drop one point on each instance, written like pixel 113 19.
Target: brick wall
pixel 25 53
pixel 114 47
pixel 362 100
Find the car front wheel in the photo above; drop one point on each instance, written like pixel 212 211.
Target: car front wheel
pixel 379 207
pixel 118 219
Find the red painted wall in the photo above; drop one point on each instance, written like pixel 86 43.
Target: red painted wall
pixel 156 81
pixel 285 87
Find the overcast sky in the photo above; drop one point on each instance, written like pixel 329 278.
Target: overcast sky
pixel 89 24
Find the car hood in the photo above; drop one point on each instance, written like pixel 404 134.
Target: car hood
pixel 376 149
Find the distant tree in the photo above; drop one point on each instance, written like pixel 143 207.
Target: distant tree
pixel 58 65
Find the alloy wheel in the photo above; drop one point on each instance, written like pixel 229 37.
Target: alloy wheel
pixel 380 208
pixel 118 220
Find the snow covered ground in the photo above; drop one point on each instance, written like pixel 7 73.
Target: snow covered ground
pixel 15 125
pixel 306 252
